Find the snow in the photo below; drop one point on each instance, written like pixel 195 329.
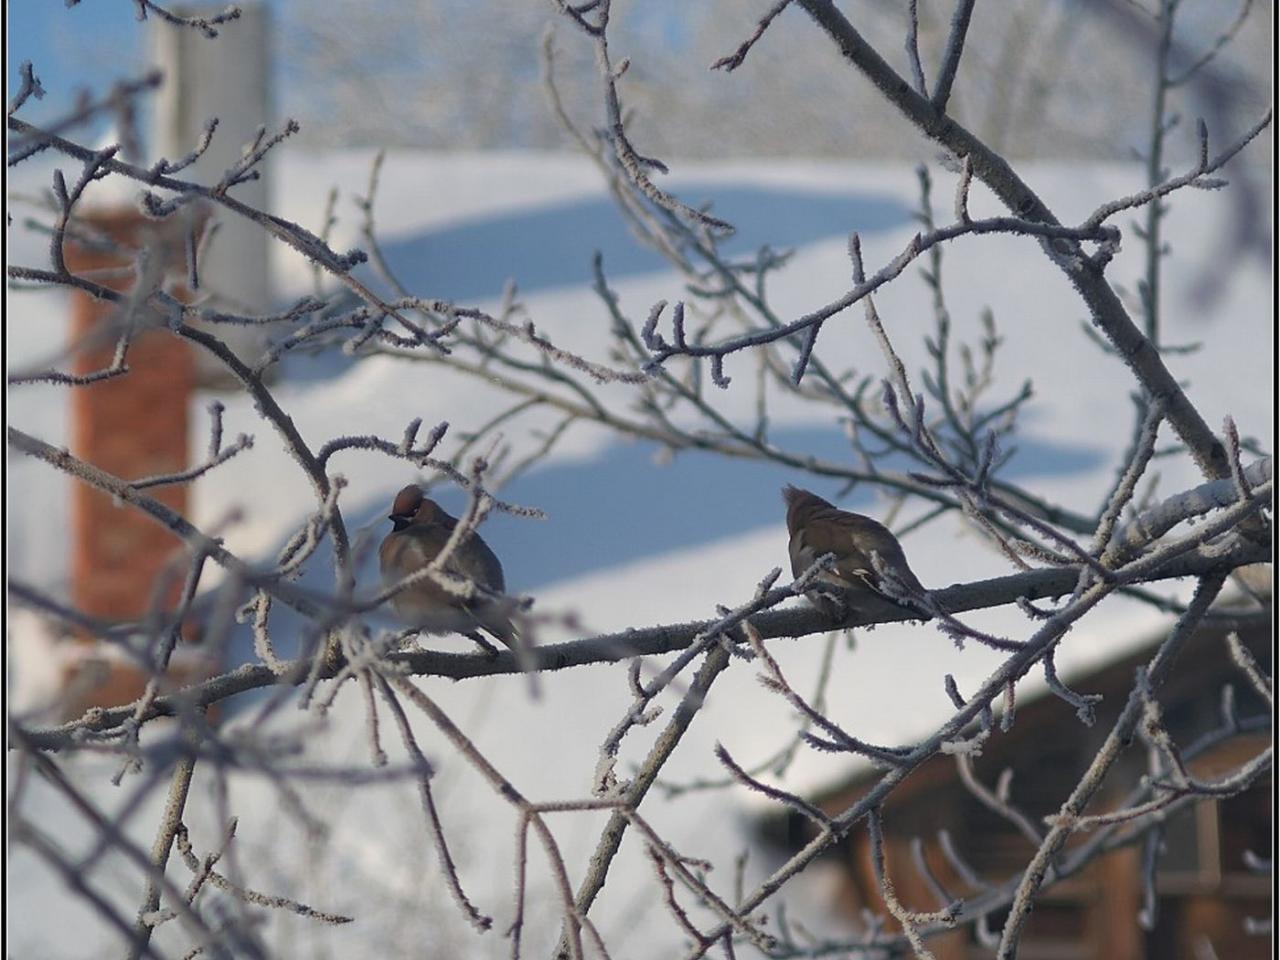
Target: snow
pixel 629 541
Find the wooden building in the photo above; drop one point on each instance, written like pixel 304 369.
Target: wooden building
pixel 1206 891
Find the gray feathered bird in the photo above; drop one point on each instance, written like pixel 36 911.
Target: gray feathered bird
pixel 818 528
pixel 421 529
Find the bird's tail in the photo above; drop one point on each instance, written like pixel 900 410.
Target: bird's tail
pixel 495 619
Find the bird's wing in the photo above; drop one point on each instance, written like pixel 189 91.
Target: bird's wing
pixel 474 560
pixel 829 534
pixel 891 553
pixel 851 537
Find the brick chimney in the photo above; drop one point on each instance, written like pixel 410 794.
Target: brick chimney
pixel 133 425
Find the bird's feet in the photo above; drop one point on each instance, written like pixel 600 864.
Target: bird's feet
pixel 489 649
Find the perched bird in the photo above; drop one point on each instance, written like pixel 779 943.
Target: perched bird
pixel 421 529
pixel 818 528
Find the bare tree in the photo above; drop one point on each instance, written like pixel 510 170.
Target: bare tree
pixel 662 381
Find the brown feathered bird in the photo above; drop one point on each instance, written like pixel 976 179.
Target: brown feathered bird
pixel 421 529
pixel 818 528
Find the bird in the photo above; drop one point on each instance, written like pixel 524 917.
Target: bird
pixel 816 527
pixel 420 530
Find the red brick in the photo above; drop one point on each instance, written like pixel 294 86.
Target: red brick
pixel 131 426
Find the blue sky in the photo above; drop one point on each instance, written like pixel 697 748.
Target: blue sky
pixel 61 44
pixel 97 42
pixel 92 44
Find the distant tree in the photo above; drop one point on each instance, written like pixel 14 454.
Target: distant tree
pixel 405 74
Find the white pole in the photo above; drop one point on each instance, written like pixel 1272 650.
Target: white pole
pixel 225 77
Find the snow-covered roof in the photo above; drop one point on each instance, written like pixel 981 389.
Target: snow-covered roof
pixel 630 541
